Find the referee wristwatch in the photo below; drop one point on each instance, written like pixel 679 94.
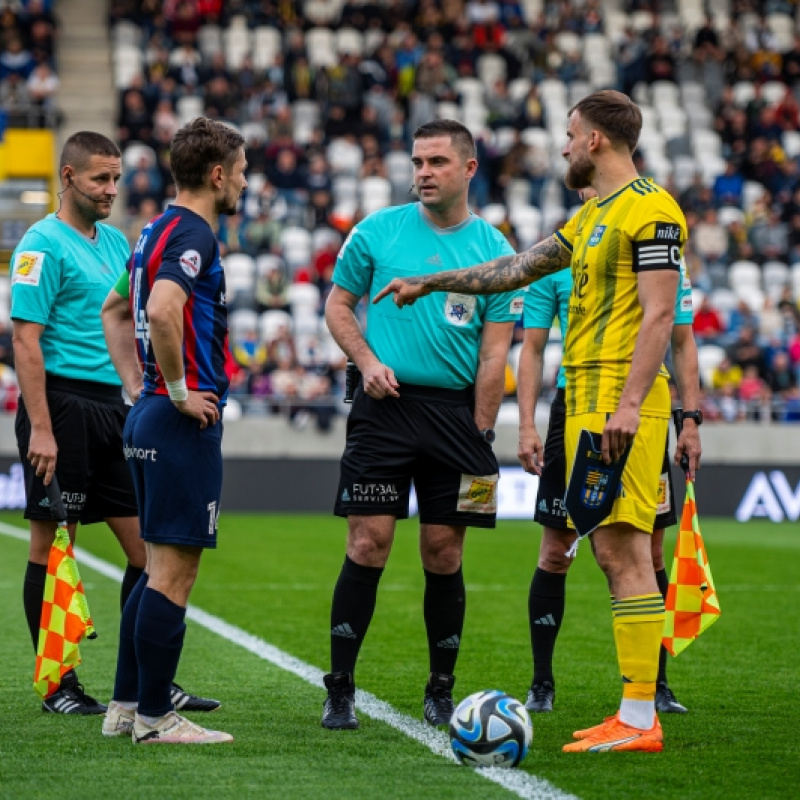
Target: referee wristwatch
pixel 697 416
pixel 488 435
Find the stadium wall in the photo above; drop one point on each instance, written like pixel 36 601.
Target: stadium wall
pixel 748 470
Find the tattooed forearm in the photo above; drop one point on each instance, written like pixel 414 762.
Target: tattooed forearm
pixel 501 274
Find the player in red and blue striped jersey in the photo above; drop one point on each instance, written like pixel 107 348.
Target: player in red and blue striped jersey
pixel 172 439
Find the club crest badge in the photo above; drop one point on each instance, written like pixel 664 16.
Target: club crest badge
pixel 597 235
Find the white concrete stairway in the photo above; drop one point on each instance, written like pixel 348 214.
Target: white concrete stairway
pixel 87 96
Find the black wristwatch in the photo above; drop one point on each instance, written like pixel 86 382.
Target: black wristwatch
pixel 697 416
pixel 488 435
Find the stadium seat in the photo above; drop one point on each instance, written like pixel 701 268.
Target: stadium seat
pixel 751 194
pixel 447 109
pixel 569 43
pixel 242 320
pixel 709 357
pixel 238 44
pixel 344 157
pixel 321 47
pixel 775 275
pixel 693 92
pixel 723 300
pixel 305 119
pixel 503 139
pixel 728 214
pixel 578 90
pixel 518 89
pixel 127 64
pixel 791 143
pixel 399 170
pixel 255 132
pixel 518 192
pixel 773 91
pixel 127 33
pixel 349 40
pixel 296 247
pixel 373 39
pixel 209 41
pixel 375 193
pixel 271 322
pixel 552 217
pixel 321 12
pixel 494 213
pixel 267 262
pixel 743 93
pixel 553 92
pixel 794 279
pixel 596 45
pixel 267 43
pixel 551 362
pixel 304 301
pixel 134 153
pixel 471 90
pixel 783 28
pixel 665 93
pixel 490 68
pixel 322 236
pixel 527 222
pixel 744 275
pixel 189 107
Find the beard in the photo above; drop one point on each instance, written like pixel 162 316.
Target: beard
pixel 228 206
pixel 579 173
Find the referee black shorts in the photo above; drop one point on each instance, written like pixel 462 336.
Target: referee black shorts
pixel 550 509
pixel 95 482
pixel 427 435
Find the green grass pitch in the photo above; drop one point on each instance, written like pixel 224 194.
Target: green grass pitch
pixel 273 576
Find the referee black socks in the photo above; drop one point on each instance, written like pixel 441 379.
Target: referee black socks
pixel 351 612
pixel 546 602
pixel 32 597
pixel 444 608
pixel 129 580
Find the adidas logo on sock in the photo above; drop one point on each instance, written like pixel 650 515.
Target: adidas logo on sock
pixel 548 620
pixel 450 643
pixel 344 630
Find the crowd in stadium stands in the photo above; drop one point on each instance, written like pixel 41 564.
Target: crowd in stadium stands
pixel 328 92
pixel 28 80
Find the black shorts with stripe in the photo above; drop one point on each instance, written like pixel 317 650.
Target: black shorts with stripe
pixel 87 420
pixel 550 509
pixel 427 435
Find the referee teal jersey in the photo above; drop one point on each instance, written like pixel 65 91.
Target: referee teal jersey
pixel 59 279
pixel 436 341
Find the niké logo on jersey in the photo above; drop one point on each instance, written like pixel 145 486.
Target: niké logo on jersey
pixel 597 235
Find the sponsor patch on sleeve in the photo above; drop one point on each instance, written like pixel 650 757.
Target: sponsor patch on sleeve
pixel 517 305
pixel 27 268
pixel 686 304
pixel 191 262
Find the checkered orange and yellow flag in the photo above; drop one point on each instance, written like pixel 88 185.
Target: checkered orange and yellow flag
pixel 65 613
pixel 692 603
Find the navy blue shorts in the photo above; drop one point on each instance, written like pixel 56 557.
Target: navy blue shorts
pixel 177 473
pixel 550 510
pixel 428 435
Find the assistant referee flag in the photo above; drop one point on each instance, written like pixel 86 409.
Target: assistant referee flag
pixel 65 613
pixel 692 603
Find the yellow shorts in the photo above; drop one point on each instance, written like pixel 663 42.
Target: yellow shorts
pixel 638 499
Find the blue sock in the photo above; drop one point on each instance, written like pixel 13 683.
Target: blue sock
pixel 126 683
pixel 159 635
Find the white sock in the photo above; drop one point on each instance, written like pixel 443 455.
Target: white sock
pixel 148 720
pixel 638 713
pixel 131 705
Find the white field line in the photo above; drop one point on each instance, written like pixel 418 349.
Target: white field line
pixel 520 783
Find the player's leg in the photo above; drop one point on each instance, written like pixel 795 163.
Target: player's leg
pixel 374 485
pixel 455 477
pixel 547 595
pixel 444 608
pixel 666 517
pixel 546 604
pixel 622 547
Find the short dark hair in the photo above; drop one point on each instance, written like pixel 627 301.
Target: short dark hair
pixel 614 114
pixel 81 146
pixel 198 147
pixel 460 137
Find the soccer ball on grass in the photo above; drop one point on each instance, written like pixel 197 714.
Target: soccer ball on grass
pixel 490 729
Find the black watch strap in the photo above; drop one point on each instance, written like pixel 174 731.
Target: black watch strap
pixel 696 415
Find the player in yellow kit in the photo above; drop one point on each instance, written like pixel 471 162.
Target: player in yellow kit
pixel 624 249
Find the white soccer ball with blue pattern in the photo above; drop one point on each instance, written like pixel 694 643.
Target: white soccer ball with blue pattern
pixel 490 729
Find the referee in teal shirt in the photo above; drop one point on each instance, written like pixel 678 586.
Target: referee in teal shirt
pixel 432 379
